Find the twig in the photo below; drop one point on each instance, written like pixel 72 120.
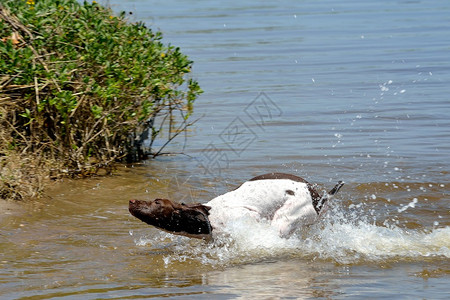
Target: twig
pixel 36 90
pixel 10 79
pixel 78 105
pixel 180 130
pixel 16 131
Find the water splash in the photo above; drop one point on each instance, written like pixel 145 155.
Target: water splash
pixel 342 237
pixel 354 242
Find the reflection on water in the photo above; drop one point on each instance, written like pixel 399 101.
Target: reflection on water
pixel 351 91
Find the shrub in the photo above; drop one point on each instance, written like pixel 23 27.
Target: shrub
pixel 86 88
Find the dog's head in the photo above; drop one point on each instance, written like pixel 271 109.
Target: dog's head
pixel 183 219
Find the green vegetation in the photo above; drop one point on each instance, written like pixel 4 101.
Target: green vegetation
pixel 81 89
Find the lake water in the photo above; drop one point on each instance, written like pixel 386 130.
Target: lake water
pixel 327 90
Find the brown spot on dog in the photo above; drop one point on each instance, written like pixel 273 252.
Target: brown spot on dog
pixel 290 192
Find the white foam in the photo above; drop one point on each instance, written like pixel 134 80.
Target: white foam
pixel 350 243
pixel 337 237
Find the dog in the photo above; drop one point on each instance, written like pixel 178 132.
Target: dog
pixel 287 201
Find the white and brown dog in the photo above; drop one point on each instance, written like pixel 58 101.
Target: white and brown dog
pixel 286 201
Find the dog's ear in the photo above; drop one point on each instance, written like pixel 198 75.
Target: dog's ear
pixel 203 208
pixel 193 220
